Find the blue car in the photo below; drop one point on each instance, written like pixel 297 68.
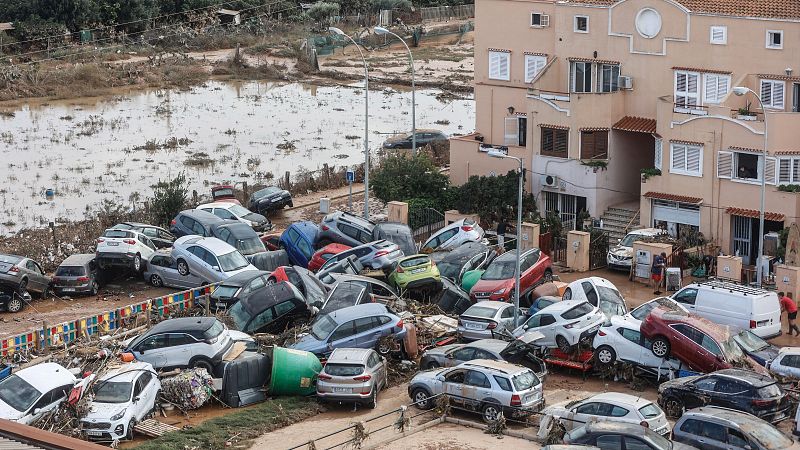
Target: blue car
pixel 299 240
pixel 760 350
pixel 359 326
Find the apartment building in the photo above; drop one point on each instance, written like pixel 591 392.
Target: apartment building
pixel 592 93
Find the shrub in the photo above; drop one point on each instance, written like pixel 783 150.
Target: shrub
pixel 169 198
pixel 402 177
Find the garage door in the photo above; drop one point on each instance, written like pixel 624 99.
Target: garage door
pixel 675 212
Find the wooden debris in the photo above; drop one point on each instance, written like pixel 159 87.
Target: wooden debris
pixel 153 428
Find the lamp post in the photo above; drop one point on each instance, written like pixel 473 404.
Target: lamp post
pixel 499 154
pixel 741 91
pixel 366 119
pixel 381 30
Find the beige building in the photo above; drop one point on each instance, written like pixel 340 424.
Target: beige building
pixel 592 92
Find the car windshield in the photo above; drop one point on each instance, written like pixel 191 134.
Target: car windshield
pixel 543 303
pixel 769 437
pixel 628 240
pixel 411 262
pixel 480 311
pixel 113 391
pixel 232 261
pixel 250 246
pixel 323 327
pixel 239 211
pixel 216 329
pixel 525 381
pixel 312 289
pixel 225 192
pixel 650 411
pixel 500 270
pixel 239 315
pixel 576 311
pixel 70 271
pixel 750 342
pixel 118 234
pixel 343 295
pixel 642 311
pixel 660 442
pixel 18 393
pixel 732 351
pixel 344 370
pixel 223 291
pixel 449 269
pixel 610 295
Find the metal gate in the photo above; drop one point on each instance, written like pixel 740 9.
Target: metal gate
pixel 424 222
pixel 558 252
pixel 546 243
pixel 598 249
pixel 741 237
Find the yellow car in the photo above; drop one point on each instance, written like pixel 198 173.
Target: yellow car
pixel 416 272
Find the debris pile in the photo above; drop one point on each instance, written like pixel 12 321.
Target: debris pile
pixel 190 389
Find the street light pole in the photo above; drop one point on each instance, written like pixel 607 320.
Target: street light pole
pixel 499 154
pixel 366 118
pixel 381 30
pixel 741 91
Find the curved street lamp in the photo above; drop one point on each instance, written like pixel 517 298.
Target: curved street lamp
pixel 381 30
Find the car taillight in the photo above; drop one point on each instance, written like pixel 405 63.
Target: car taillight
pixel 363 378
pixel 752 324
pixel 83 279
pixel 601 333
pixel 491 326
pixel 400 270
pixel 322 376
pixel 325 228
pixel 100 241
pixel 380 253
pixel 466 228
pixel 761 402
pixel 172 222
pixel 129 241
pixel 14 269
pixel 570 325
pixel 399 324
pixel 516 400
pixel 644 424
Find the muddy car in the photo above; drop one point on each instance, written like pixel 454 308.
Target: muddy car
pixel 270 199
pixel 12 299
pixel 23 273
pixel 224 193
pixel 77 275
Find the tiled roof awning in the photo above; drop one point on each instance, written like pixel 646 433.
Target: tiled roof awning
pixel 674 197
pixel 768 76
pixel 598 61
pixel 594 129
pixel 636 124
pixel 754 214
pixel 557 127
pixel 787 152
pixel 536 53
pixel 697 69
pixel 745 149
pixel 681 141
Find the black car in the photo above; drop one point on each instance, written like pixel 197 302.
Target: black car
pixel 161 238
pixel 608 435
pixel 398 233
pixel 424 137
pixel 194 221
pixel 760 350
pixel 350 265
pixel 737 389
pixel 237 287
pixel 269 199
pixel 304 280
pixel 240 236
pixel 12 299
pixel 468 256
pixel 344 294
pixel 452 299
pixel 271 309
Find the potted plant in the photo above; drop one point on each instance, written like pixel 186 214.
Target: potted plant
pixel 746 114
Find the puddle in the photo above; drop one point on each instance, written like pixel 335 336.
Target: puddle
pixel 116 147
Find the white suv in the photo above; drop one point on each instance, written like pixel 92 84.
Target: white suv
pixel 611 407
pixel 124 248
pixel 564 324
pixel 621 255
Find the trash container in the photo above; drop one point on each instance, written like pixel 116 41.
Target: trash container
pixel 673 281
pixel 294 372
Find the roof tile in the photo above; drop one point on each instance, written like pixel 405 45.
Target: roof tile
pixel 754 214
pixel 782 9
pixel 674 197
pixel 636 124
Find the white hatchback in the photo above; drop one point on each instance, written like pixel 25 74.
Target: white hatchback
pixel 599 292
pixel 611 407
pixel 453 235
pixel 564 324
pixel 621 340
pixel 30 393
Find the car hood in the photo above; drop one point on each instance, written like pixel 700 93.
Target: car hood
pixel 677 383
pixel 102 412
pixel 307 342
pixel 492 285
pixel 426 375
pixel 9 413
pixel 238 336
pixel 619 250
pixel 768 353
pixel 255 218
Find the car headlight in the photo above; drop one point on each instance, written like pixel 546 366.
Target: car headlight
pixel 499 291
pixel 119 415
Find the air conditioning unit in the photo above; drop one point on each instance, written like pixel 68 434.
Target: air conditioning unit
pixel 625 82
pixel 550 181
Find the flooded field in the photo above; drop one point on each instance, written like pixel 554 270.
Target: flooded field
pixel 115 148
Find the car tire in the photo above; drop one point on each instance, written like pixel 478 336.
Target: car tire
pixel 490 412
pixel 373 398
pixel 183 267
pixel 46 293
pixel 383 350
pixel 95 288
pixel 202 363
pixel 137 263
pixel 660 347
pixel 431 365
pixel 567 294
pixel 421 398
pixel 23 285
pixel 673 407
pixel 563 344
pixel 156 280
pixel 131 424
pixel 15 305
pixel 605 356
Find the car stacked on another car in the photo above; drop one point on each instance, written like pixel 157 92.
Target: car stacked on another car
pixel 608 435
pixel 124 248
pixel 378 255
pixel 160 237
pixel 484 320
pixel 620 339
pixel 353 375
pixel 240 236
pixel 455 263
pixel 322 255
pixel 454 235
pixel 77 274
pixel 23 274
pixel 345 228
pixel 269 199
pixel 398 233
pixel 758 349
pixel 224 193
pixel 194 221
pixel 598 292
pixel 162 270
pixel 237 287
pixel 271 309
pixel 232 211
pixel 611 407
pixel 298 240
pixel 344 294
pixel 564 324
pixel 208 258
pixel 518 351
pixel 498 281
pixel 415 273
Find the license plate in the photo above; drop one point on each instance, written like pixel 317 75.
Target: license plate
pixel 420 270
pixel 342 390
pixel 473 326
pixel 68 289
pixel 113 244
pixel 94 433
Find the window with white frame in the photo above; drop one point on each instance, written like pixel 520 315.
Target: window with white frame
pixel 772 93
pixel 516 131
pixel 581 76
pixel 789 170
pixel 540 20
pixel 608 80
pixel 533 65
pixel 687 89
pixel 716 87
pixel 686 159
pixel 581 24
pixel 659 152
pixel 719 34
pixel 775 39
pixel 499 65
pixel 747 167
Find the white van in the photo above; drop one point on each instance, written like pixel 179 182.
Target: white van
pixel 732 304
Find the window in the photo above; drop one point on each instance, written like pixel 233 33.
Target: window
pixel 659 153
pixel 305 248
pixel 546 319
pixel 554 142
pixel 594 144
pixel 540 20
pixel 692 426
pixel 507 313
pixel 736 438
pixel 477 379
pixel 716 87
pixel 503 383
pixel 709 344
pixel 631 335
pixel 264 318
pixel 284 308
pixel 772 93
pixel 533 65
pixel 344 331
pixel 456 376
pixel 714 431
pixel 224 214
pixel 516 131
pixel 176 339
pixel 686 296
pixel 706 384
pixel 581 76
pixel 790 361
pixel 581 24
pixel 609 78
pixel 686 159
pixel 153 342
pixel 589 409
pixel 374 359
pixel 365 324
pixel 719 34
pixel 610 442
pixel 483 354
pixel 224 234
pixel 775 39
pixel 687 88
pixel 499 65
pixel 632 443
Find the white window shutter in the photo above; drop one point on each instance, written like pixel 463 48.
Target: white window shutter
pixel 511 135
pixel 784 171
pixel 769 170
pixel 723 85
pixel 545 20
pixel 659 154
pixel 494 65
pixel 694 157
pixel 796 171
pixel 503 69
pixel 777 94
pixel 677 157
pixel 766 92
pixel 711 93
pixel 725 165
pixel 533 65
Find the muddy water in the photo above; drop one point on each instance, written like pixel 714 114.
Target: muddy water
pixel 115 148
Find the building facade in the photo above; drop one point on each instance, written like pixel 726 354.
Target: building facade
pixel 600 96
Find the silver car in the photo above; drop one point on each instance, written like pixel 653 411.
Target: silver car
pixel 518 351
pixel 345 228
pixel 453 235
pixel 485 319
pixel 481 385
pixel 162 270
pixel 713 427
pixel 23 273
pixel 208 258
pixel 375 255
pixel 353 375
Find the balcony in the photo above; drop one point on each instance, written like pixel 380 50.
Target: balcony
pixel 612 104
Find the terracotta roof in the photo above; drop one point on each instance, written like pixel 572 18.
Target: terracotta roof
pixel 636 124
pixel 557 127
pixel 787 152
pixel 594 129
pixel 769 76
pixel 536 53
pixel 746 149
pixel 681 141
pixel 599 61
pixel 674 197
pixel 785 9
pixel 504 50
pixel 754 214
pixel 695 69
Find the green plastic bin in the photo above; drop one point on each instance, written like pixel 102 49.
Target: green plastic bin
pixel 294 372
pixel 470 279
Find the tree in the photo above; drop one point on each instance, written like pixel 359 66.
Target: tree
pixel 321 12
pixel 494 197
pixel 402 177
pixel 378 5
pixel 169 198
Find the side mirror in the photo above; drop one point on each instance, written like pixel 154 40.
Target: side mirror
pixel 215 268
pixel 525 327
pixel 619 240
pixel 449 356
pixel 440 377
pixel 135 399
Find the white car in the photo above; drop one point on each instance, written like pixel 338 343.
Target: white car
pixel 640 312
pixel 621 255
pixel 122 398
pixel 233 211
pixel 28 394
pixel 124 248
pixel 621 340
pixel 598 292
pixel 483 319
pixel 208 258
pixel 611 407
pixel 453 235
pixel 564 324
pixel 787 363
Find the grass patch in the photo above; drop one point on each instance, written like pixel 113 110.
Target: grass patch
pixel 239 426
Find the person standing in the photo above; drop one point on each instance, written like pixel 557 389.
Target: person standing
pixel 788 305
pixel 502 227
pixel 657 271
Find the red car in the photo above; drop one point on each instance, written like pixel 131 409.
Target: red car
pixel 324 254
pixel 272 240
pixel 702 345
pixel 497 282
pixel 224 193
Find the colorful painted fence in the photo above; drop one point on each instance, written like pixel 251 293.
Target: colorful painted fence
pixel 102 323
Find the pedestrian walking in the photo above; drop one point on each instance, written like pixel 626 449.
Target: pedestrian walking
pixel 657 271
pixel 789 305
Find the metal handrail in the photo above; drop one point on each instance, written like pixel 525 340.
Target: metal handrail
pixel 630 222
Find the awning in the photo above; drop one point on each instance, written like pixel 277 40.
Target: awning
pixel 674 197
pixel 754 214
pixel 636 124
pixel 745 149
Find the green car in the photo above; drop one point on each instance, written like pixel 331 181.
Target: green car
pixel 415 272
pixel 470 278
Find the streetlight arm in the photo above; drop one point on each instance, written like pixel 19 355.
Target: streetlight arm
pixel 381 30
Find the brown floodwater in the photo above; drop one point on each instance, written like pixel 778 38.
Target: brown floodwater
pixel 116 147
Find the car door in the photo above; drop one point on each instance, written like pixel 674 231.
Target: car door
pixel 368 332
pixel 530 273
pixel 453 385
pixel 261 322
pixel 148 247
pixel 543 323
pixel 476 388
pixel 304 249
pixel 36 279
pixel 186 227
pixel 580 414
pixel 590 292
pixel 687 347
pixel 700 392
pixel 729 392
pixel 137 400
pixel 378 367
pixel 686 297
pixel 48 402
pixel 610 442
pixel 507 318
pixel 344 336
pixel 713 436
pixel 152 350
pixel 632 349
pixel 634 443
pixel 147 395
pixel 284 314
pixel 179 349
pixel 448 238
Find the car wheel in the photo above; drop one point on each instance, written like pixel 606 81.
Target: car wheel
pixel 548 276
pixel 156 280
pixel 673 408
pixel 563 344
pixel 95 288
pixel 15 304
pixel 46 292
pixel 421 398
pixel 271 281
pixel 491 412
pixel 605 356
pixel 183 268
pixel 203 364
pixel 23 285
pixel 131 424
pixel 568 294
pixel 431 365
pixel 383 348
pixel 660 347
pixel 137 263
pixel 373 399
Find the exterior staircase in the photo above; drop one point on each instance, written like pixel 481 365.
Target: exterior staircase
pixel 618 221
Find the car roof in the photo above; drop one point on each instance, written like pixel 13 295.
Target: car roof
pixel 789 350
pixel 512 256
pixel 212 244
pixel 343 355
pixel 461 253
pixel 647 232
pixel 77 259
pixel 305 228
pixel 269 296
pixel 354 312
pixel 347 216
pixel 182 324
pixel 127 372
pixel 728 414
pixel 46 376
pixel 754 378
pixel 242 278
pixel 563 305
pixel 492 364
pixel 202 216
pixel 598 281
pixel 223 205
pixel 676 315
pixel 392 226
pixel 239 230
pixel 492 345
pixel 11 258
pixel 621 397
pixel 340 277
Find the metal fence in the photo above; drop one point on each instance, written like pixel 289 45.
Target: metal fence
pixel 446 13
pixel 424 222
pixel 598 249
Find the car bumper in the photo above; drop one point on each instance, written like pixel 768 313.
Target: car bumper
pixel 115 259
pixel 474 335
pixel 589 334
pixel 106 432
pixel 526 410
pixel 81 289
pixel 493 297
pixel 11 280
pixel 422 284
pixel 774 417
pixel 221 354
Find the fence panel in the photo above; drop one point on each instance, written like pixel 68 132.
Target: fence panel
pixel 424 222
pixel 559 249
pixel 598 249
pixel 446 13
